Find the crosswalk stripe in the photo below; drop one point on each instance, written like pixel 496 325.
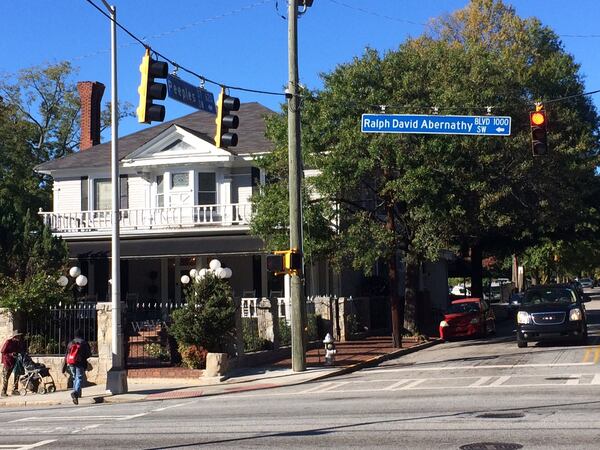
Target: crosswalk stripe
pixel 500 381
pixel 412 384
pixel 392 387
pixel 480 381
pixel 595 380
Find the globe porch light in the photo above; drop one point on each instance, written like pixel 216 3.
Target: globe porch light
pixel 74 271
pixel 214 264
pixel 81 280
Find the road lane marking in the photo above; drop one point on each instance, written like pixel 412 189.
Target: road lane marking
pixel 412 384
pixel 87 427
pixel 172 406
pixel 500 381
pixel 573 380
pixel 597 355
pixel 495 366
pixel 27 447
pixel 587 354
pixel 596 379
pixel 392 387
pixel 315 388
pixel 480 381
pixel 73 418
pixel 335 385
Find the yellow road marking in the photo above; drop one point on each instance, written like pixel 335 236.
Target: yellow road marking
pixel 587 356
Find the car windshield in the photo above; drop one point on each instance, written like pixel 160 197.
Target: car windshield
pixel 461 308
pixel 552 295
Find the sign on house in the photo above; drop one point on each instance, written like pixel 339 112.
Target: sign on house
pixel 191 95
pixel 436 124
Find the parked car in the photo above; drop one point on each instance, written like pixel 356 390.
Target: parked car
pixel 586 282
pixel 460 290
pixel 552 312
pixel 468 317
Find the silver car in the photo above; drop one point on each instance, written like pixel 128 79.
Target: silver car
pixel 586 282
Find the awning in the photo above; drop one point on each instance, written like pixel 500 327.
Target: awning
pixel 168 246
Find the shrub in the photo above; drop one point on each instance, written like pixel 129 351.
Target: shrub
pixel 252 341
pixel 192 356
pixel 312 327
pixel 157 351
pixel 208 318
pixel 285 333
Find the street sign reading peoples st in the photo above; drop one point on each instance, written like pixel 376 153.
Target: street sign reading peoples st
pixel 436 124
pixel 191 95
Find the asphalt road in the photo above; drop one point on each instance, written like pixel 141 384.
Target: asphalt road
pixel 478 394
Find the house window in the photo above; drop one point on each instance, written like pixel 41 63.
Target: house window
pixel 102 195
pixel 207 188
pixel 160 191
pixel 84 194
pixel 179 180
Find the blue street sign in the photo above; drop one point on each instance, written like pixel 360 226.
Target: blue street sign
pixel 434 124
pixel 191 95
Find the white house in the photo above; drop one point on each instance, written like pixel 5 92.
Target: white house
pixel 183 202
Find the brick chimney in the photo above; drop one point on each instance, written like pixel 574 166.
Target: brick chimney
pixel 90 94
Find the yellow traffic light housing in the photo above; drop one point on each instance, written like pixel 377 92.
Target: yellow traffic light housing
pixel 150 69
pixel 283 262
pixel 539 131
pixel 226 121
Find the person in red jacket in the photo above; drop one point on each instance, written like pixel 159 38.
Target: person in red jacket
pixel 10 350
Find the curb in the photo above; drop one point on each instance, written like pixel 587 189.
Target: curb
pixel 379 359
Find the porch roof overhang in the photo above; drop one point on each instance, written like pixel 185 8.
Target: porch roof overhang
pixel 154 247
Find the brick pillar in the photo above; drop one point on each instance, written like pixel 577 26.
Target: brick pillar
pixel 90 94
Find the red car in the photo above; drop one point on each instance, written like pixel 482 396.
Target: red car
pixel 468 317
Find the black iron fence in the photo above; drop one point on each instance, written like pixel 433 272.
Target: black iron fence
pixel 49 332
pixel 146 334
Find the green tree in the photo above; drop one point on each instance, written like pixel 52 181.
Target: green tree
pixel 422 193
pixel 208 317
pixel 506 200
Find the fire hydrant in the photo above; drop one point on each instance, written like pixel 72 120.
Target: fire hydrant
pixel 330 350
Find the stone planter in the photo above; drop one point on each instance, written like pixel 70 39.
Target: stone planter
pixel 216 365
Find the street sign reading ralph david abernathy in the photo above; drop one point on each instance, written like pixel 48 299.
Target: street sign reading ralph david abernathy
pixel 435 124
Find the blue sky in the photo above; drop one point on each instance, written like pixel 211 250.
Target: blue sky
pixel 244 42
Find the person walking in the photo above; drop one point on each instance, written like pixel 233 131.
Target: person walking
pixel 76 359
pixel 11 348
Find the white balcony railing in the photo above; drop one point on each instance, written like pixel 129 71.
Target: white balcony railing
pixel 149 218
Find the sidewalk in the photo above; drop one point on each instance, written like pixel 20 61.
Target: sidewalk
pixel 351 356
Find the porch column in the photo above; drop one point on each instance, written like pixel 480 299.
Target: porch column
pixel 226 201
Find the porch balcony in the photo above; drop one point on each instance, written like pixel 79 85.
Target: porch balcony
pixel 149 219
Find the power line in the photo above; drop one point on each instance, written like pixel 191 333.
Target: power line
pixel 376 14
pixel 178 66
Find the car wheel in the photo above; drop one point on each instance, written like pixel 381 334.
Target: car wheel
pixel 521 343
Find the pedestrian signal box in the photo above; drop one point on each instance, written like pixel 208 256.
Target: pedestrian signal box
pixel 283 262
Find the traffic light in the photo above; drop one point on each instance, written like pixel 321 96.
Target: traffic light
pixel 149 90
pixel 226 121
pixel 283 262
pixel 539 134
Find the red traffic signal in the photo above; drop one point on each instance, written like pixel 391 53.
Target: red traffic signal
pixel 539 132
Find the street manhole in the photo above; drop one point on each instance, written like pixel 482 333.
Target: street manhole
pixel 500 416
pixel 491 446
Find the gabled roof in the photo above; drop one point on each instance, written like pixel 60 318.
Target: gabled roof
pixel 251 138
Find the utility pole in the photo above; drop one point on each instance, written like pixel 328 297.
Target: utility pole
pixel 116 380
pixel 295 168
